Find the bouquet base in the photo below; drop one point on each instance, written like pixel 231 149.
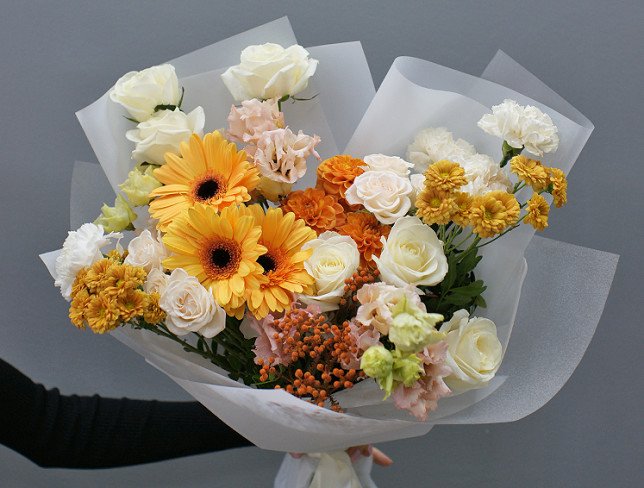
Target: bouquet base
pixel 326 469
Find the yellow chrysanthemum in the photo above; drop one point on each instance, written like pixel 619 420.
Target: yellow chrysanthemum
pixel 102 313
pixel 209 171
pixel 461 215
pixel 153 314
pixel 283 262
pixel 221 250
pixel 435 206
pixel 538 209
pixel 530 171
pixel 557 179
pixel 492 213
pixel 121 279
pixel 131 304
pixel 80 300
pixel 445 175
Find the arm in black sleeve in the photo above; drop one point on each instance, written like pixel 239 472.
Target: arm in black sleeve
pixel 93 432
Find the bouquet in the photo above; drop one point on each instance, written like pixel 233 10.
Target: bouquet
pixel 313 298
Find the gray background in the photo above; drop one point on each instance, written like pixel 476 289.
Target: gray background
pixel 57 57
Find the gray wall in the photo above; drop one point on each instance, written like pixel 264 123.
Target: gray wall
pixel 57 57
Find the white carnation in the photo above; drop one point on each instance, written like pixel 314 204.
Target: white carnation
pixel 82 248
pixel 521 127
pixel 164 132
pixel 383 193
pixel 146 251
pixel 483 175
pixel 434 144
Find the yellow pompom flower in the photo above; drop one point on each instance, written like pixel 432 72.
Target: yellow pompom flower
pixel 102 313
pixel 445 176
pixel 153 313
pixel 530 171
pixel 557 179
pixel 461 214
pixel 538 209
pixel 435 206
pixel 283 263
pixel 209 171
pixel 220 250
pixel 131 304
pixel 493 212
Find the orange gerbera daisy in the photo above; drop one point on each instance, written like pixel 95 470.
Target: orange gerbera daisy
pixel 366 231
pixel 336 174
pixel 283 262
pixel 320 211
pixel 210 171
pixel 221 250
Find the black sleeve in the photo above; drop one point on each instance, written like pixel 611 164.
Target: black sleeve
pixel 54 430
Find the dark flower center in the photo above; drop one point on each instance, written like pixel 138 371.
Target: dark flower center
pixel 207 189
pixel 220 257
pixel 267 262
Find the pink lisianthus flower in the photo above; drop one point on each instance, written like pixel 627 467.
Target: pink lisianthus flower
pixel 422 397
pixel 364 337
pixel 265 344
pixel 248 122
pixel 281 155
pixel 377 300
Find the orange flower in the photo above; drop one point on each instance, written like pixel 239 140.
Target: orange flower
pixel 366 231
pixel 320 211
pixel 336 174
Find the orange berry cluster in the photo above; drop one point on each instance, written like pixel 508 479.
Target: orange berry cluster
pixel 317 352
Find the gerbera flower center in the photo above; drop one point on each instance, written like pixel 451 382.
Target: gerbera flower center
pixel 209 187
pixel 221 259
pixel 267 262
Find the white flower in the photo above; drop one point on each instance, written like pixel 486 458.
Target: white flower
pixel 377 301
pixel 521 127
pixel 141 91
pixel 434 144
pixel 418 184
pixel 270 71
pixel 146 251
pixel 335 258
pixel 474 353
pixel 190 307
pixel 383 193
pixel 483 175
pixel 380 162
pixel 82 248
pixel 412 255
pixel 156 281
pixel 281 155
pixel 164 132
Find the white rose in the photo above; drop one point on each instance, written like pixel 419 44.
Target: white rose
pixel 521 127
pixel 164 132
pixel 380 162
pixel 156 281
pixel 412 254
pixel 483 175
pixel 383 193
pixel 434 144
pixel 141 91
pixel 270 71
pixel 474 351
pixel 335 258
pixel 82 248
pixel 418 184
pixel 146 251
pixel 190 307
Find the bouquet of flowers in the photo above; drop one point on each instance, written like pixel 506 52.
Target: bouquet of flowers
pixel 316 299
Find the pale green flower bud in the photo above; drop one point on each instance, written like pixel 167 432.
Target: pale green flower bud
pixel 116 218
pixel 138 186
pixel 407 368
pixel 412 329
pixel 377 362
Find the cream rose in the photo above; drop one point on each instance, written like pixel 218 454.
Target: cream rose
pixel 141 91
pixel 81 248
pixel 164 132
pixel 146 251
pixel 335 258
pixel 156 281
pixel 381 162
pixel 474 351
pixel 412 255
pixel 383 193
pixel 190 307
pixel 521 126
pixel 269 71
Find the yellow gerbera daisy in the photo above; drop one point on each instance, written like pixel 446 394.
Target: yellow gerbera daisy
pixel 283 262
pixel 209 171
pixel 221 250
pixel 538 209
pixel 557 179
pixel 435 206
pixel 445 175
pixel 493 212
pixel 530 171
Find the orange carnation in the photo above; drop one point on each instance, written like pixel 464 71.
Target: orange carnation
pixel 320 211
pixel 336 174
pixel 366 231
